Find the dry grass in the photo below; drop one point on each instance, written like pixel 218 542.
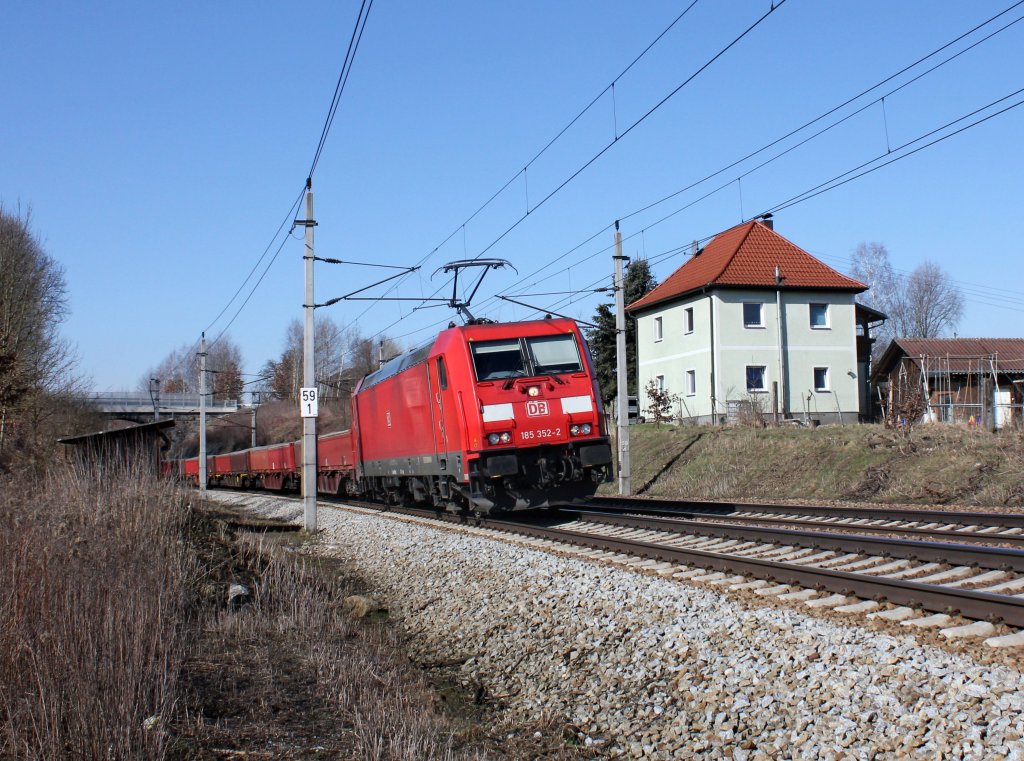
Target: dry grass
pixel 291 675
pixel 116 642
pixel 91 602
pixel 939 464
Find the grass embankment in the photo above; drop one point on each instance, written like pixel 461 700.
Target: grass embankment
pixel 935 465
pixel 116 640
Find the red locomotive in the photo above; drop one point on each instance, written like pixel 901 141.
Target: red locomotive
pixel 486 417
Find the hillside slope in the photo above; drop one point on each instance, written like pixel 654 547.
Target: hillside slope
pixel 936 465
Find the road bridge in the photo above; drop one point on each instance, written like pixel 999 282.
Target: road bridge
pixel 137 405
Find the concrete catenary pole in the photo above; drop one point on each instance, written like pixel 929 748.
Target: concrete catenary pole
pixel 255 404
pixel 621 376
pixel 309 376
pixel 202 415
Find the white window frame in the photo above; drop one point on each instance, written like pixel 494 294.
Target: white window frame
pixel 688 320
pixel 659 383
pixel 764 379
pixel 810 316
pixel 814 379
pixel 659 331
pixel 691 382
pixel 760 314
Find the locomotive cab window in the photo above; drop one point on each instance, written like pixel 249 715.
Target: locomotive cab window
pixel 497 360
pixel 554 354
pixel 515 358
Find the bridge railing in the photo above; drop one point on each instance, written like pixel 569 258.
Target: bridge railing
pixel 142 401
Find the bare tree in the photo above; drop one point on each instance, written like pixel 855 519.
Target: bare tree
pixel 178 372
pixel 341 358
pixel 36 363
pixel 924 304
pixel 931 304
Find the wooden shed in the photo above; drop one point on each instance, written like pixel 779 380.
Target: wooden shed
pixel 143 443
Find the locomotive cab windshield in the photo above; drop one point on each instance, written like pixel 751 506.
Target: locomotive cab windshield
pixel 525 357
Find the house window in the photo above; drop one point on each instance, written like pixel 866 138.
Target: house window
pixel 657 329
pixel 753 314
pixel 821 379
pixel 819 316
pixel 691 382
pixel 755 378
pixel 659 383
pixel 688 319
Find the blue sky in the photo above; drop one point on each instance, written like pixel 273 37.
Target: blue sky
pixel 160 146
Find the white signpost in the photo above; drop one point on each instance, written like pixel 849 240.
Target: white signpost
pixel 308 402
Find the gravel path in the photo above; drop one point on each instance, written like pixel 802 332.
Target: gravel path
pixel 644 667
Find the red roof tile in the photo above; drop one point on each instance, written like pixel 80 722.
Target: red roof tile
pixel 746 256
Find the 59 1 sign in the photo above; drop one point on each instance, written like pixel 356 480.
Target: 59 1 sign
pixel 308 402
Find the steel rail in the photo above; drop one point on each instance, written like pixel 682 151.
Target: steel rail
pixel 653 506
pixel 933 597
pixel 1001 558
pixel 960 535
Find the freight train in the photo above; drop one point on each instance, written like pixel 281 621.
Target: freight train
pixel 485 418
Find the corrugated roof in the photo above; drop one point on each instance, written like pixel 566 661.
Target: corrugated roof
pixel 962 355
pixel 746 256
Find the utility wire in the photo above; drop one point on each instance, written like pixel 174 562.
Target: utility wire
pixel 339 88
pixel 289 217
pixel 784 137
pixel 804 126
pixel 635 124
pixel 614 141
pixel 801 128
pixel 357 34
pixel 790 134
pixel 561 132
pixel 461 227
pixel 837 181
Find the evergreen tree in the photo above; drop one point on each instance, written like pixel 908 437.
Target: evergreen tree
pixel 639 282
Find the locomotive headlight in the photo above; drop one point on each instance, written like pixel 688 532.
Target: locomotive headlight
pixel 574 430
pixel 493 438
pixel 505 437
pixel 533 391
pixel 585 429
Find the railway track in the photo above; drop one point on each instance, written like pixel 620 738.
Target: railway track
pixel 909 581
pixel 934 525
pixel 923 583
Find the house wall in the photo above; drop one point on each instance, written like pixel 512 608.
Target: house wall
pixel 675 354
pixel 734 347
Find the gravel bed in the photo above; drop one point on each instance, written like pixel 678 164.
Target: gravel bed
pixel 644 667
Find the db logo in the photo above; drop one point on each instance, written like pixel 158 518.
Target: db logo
pixel 537 409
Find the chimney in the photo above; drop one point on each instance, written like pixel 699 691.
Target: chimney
pixel 766 220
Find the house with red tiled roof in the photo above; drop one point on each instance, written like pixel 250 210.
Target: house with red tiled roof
pixel 754 325
pixel 976 381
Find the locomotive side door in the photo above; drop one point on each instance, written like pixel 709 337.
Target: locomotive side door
pixel 440 432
